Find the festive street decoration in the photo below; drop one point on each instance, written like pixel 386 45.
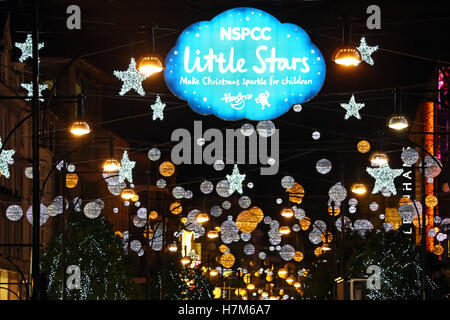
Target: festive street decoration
pixel 27 48
pixel 235 180
pixel 29 88
pixel 132 79
pixel 352 108
pixel 158 108
pixel 126 168
pixel 366 51
pixel 384 178
pixel 5 160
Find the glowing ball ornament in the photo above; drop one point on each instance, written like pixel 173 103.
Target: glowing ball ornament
pixel 14 212
pixel 363 146
pixel 323 166
pixel 409 156
pixel 154 154
pixel 167 169
pixel 92 210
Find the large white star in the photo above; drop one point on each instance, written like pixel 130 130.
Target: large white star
pixel 5 160
pixel 352 108
pixel 366 51
pixel 126 168
pixel 29 88
pixel 27 48
pixel 132 79
pixel 158 108
pixel 384 178
pixel 235 180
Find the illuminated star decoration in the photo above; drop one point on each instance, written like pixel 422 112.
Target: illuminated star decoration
pixel 126 168
pixel 5 160
pixel 132 79
pixel 29 88
pixel 384 178
pixel 366 51
pixel 27 48
pixel 158 108
pixel 352 108
pixel 235 180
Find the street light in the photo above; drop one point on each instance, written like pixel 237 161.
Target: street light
pixel 80 128
pixel 127 194
pixel 347 56
pixel 185 261
pixel 358 188
pixel 149 65
pixel 397 122
pixel 202 217
pixel 111 165
pixel 378 159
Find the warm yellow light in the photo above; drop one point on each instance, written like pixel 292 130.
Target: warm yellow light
pixel 363 146
pixel 282 273
pixel 287 212
pixel 250 286
pixel 347 56
pixel 397 122
pixel 127 194
pixel 149 65
pixel 378 159
pixel 358 188
pixel 80 128
pixel 431 201
pixel 326 247
pixel 290 280
pixel 135 198
pixel 297 284
pixel 173 247
pixel 285 230
pixel 111 165
pixel 202 217
pixel 213 273
pixel 71 180
pixel 212 234
pixel 185 261
pixel 264 294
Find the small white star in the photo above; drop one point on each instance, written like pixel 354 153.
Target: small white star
pixel 352 108
pixel 29 88
pixel 366 51
pixel 384 178
pixel 27 48
pixel 132 79
pixel 5 160
pixel 126 168
pixel 158 108
pixel 235 180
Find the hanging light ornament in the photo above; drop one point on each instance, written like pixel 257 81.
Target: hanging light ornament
pixel 337 192
pixel 158 109
pixel 409 156
pixel 366 51
pixel 378 159
pixel 363 146
pixel 14 212
pixel 323 166
pixel 80 128
pixel 92 210
pixel 154 154
pixel 5 160
pixel 132 79
pixel 167 169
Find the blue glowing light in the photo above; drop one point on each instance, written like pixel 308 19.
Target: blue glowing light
pixel 244 63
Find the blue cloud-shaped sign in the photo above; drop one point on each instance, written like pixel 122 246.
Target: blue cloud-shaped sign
pixel 244 63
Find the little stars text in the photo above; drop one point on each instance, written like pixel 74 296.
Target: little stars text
pixel 231 64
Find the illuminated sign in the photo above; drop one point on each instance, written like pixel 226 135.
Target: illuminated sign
pixel 244 63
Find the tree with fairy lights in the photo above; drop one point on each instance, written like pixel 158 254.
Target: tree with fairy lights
pixel 398 259
pixel 183 283
pixel 91 245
